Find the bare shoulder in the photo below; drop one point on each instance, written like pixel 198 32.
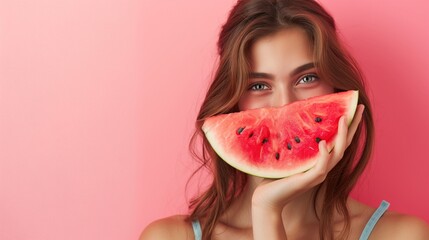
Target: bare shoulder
pixel 174 227
pixel 394 225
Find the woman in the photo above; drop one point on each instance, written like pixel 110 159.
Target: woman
pixel 273 53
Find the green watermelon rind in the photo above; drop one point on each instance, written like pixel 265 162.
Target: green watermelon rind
pixel 274 173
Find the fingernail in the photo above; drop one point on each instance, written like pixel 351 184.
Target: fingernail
pixel 343 119
pixel 322 144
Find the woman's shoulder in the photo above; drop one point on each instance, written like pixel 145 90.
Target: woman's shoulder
pixel 391 225
pixel 394 225
pixel 173 227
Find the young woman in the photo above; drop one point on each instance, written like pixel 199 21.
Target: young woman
pixel 274 52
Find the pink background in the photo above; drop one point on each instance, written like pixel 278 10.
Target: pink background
pixel 98 99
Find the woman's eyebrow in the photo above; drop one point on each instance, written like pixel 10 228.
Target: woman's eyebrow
pixel 302 68
pixel 261 75
pixel 271 76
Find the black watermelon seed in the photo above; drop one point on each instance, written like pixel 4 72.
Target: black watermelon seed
pixel 297 140
pixel 240 130
pixel 318 139
pixel 289 146
pixel 277 156
pixel 318 119
pixel 265 140
pixel 251 135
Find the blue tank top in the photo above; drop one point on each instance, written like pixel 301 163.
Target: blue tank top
pixel 364 236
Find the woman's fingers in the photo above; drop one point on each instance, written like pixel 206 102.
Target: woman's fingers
pixel 341 141
pixel 322 167
pixel 355 123
pixel 345 134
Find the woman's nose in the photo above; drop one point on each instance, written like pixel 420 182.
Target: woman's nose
pixel 282 98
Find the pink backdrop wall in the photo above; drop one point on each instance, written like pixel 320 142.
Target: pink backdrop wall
pixel 98 98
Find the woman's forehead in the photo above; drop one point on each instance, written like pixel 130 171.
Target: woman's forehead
pixel 287 48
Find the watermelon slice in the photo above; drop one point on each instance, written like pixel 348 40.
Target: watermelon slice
pixel 279 142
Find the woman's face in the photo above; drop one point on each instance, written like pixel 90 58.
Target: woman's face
pixel 282 71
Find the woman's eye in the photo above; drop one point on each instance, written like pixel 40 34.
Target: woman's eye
pixel 258 87
pixel 309 78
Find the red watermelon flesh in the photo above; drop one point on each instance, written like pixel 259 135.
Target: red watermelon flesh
pixel 279 142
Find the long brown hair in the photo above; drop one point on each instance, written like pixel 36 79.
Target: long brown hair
pixel 248 21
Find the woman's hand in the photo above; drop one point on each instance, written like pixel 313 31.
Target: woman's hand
pixel 271 196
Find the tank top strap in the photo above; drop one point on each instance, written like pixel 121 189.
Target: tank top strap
pixel 196 226
pixel 374 219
